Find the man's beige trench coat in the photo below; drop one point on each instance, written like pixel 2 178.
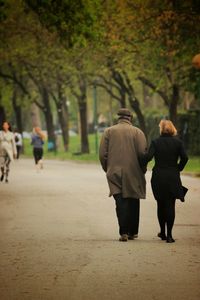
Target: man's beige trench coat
pixel 119 150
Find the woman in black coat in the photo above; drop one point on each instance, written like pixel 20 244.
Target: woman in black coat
pixel 170 158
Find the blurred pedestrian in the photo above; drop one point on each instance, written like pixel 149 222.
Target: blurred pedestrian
pixel 18 142
pixel 37 142
pixel 170 159
pixel 120 147
pixel 8 150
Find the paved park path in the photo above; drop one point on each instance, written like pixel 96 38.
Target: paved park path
pixel 59 240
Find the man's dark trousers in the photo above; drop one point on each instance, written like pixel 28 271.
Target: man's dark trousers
pixel 128 212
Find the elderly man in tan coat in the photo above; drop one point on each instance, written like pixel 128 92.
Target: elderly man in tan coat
pixel 120 149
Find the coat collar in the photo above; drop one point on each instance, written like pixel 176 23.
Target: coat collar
pixel 124 121
pixel 166 135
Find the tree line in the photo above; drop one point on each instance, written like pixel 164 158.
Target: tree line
pixel 51 50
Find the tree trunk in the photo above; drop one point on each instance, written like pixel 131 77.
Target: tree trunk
pixel 35 115
pixel 82 103
pixel 118 78
pixel 84 130
pixel 123 98
pixel 17 110
pixel 2 115
pixel 63 118
pixel 134 103
pixel 173 104
pixel 146 98
pixel 49 121
pixel 18 113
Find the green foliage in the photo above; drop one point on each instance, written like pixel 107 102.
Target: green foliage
pixel 3 13
pixel 193 165
pixel 189 128
pixel 193 82
pixel 75 21
pixel 6 94
pixel 139 37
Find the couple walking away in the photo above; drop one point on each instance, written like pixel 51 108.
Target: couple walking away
pixel 124 156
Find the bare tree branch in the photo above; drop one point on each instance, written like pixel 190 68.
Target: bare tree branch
pixel 13 78
pixel 39 104
pixel 109 90
pixel 153 87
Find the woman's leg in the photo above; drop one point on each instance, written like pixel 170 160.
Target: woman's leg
pixel 161 217
pixel 18 151
pixel 2 164
pixel 7 167
pixel 40 156
pixel 35 155
pixel 170 216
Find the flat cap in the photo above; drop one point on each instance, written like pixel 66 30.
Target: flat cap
pixel 124 112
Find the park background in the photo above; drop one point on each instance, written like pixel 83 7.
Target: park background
pixel 68 66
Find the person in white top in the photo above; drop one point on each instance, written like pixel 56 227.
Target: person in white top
pixel 18 142
pixel 8 150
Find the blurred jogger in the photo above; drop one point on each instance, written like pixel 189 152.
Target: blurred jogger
pixel 37 142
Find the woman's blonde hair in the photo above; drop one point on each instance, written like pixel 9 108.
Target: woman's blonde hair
pixel 38 130
pixel 167 127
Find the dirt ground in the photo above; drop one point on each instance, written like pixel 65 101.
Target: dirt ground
pixel 59 240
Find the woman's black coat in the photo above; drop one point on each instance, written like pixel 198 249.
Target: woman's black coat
pixel 170 158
